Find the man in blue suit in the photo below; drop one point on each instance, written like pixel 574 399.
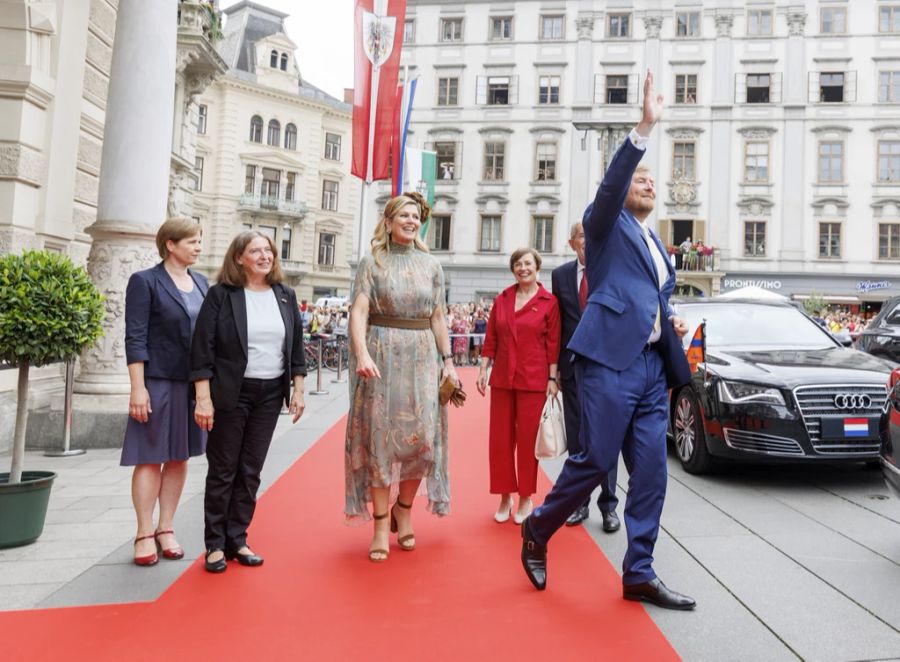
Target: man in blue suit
pixel 570 289
pixel 628 350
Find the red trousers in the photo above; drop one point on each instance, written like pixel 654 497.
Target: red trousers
pixel 515 416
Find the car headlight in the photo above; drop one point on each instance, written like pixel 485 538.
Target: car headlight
pixel 741 393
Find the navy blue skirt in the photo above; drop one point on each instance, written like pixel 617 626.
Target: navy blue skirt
pixel 170 433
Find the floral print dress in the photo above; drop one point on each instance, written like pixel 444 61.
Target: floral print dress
pixel 397 429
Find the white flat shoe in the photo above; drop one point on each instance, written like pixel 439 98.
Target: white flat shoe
pixel 520 517
pixel 503 516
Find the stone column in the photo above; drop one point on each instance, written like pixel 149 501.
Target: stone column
pixel 793 207
pixel 719 223
pixel 134 178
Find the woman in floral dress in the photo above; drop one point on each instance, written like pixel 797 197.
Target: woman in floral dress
pixel 460 329
pixel 400 351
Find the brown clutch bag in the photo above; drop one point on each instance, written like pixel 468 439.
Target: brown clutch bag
pixel 449 392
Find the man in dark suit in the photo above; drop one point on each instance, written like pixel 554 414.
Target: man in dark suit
pixel 570 289
pixel 628 350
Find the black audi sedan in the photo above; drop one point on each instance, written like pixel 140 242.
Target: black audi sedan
pixel 890 435
pixel 882 336
pixel 775 386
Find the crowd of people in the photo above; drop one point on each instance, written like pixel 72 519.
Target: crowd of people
pixel 212 366
pixel 838 319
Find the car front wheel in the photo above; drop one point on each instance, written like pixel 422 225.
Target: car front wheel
pixel 690 439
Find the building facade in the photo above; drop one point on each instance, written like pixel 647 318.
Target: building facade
pixel 80 106
pixel 780 145
pixel 273 155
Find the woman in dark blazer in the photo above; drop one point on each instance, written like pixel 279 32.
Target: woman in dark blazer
pixel 522 343
pixel 246 355
pixel 161 306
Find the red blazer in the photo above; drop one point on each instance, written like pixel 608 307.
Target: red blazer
pixel 523 344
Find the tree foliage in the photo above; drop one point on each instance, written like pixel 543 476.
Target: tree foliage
pixel 49 308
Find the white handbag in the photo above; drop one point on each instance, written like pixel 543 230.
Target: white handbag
pixel 551 436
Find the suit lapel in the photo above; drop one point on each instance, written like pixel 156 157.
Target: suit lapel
pixel 670 270
pixel 284 305
pixel 511 312
pixel 239 308
pixel 164 279
pixel 199 282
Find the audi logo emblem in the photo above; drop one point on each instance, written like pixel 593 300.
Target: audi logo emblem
pixel 852 401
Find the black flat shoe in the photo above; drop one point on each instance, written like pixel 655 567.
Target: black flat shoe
pixel 250 560
pixel 534 558
pixel 578 516
pixel 215 566
pixel 657 593
pixel 611 521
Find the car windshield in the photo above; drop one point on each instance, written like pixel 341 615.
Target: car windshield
pixel 751 325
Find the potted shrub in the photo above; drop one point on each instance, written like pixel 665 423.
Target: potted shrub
pixel 49 311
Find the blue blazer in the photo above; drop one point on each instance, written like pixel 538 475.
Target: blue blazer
pixel 157 325
pixel 623 288
pixel 564 281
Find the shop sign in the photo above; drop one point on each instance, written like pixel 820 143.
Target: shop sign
pixel 864 286
pixel 737 283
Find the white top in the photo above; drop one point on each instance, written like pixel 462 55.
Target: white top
pixel 265 336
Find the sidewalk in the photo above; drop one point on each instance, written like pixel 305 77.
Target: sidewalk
pixel 84 554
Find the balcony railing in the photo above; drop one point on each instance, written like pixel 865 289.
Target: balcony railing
pixel 294 267
pixel 695 261
pixel 274 204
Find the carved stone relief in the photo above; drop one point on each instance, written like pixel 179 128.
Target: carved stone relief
pixel 110 263
pixel 724 23
pixel 683 192
pixel 585 25
pixel 796 23
pixel 653 25
pixel 757 132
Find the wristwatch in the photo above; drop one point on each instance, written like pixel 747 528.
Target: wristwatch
pixel 552 379
pixel 444 357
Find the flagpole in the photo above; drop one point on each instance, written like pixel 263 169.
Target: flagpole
pixel 363 205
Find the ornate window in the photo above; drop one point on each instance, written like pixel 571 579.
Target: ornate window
pixel 490 234
pixel 250 180
pixel 754 239
pixel 888 241
pixel 686 88
pixel 256 125
pixel 687 24
pixel 889 19
pixel 618 26
pixel 889 86
pixel 545 158
pixel 833 20
pixel 448 91
pixel 501 28
pixel 439 232
pixel 494 161
pixel 409 31
pixel 831 161
pixel 284 61
pixel 290 187
pixel 548 90
pixel 327 241
pixel 829 240
pixel 451 29
pixel 202 112
pixel 759 22
pixel 756 161
pixel 273 137
pixel 889 161
pixel 542 233
pixel 553 27
pixel 683 160
pixel 286 244
pixel 329 195
pixel 290 137
pixel 273 59
pixel 332 146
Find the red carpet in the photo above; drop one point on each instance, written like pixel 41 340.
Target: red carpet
pixel 461 595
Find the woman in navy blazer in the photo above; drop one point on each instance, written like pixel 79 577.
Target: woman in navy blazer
pixel 161 306
pixel 522 342
pixel 246 355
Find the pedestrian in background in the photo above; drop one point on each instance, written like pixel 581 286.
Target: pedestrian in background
pixel 570 287
pixel 522 344
pixel 400 352
pixel 161 306
pixel 246 354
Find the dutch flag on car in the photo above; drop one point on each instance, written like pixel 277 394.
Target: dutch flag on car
pixel 856 427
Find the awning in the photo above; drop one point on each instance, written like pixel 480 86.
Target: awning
pixel 837 298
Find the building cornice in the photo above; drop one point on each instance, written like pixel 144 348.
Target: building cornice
pixel 273 93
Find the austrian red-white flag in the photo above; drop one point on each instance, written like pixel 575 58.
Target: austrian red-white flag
pixel 379 39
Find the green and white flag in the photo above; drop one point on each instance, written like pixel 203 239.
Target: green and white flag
pixel 420 173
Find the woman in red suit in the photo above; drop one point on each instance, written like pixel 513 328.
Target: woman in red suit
pixel 522 344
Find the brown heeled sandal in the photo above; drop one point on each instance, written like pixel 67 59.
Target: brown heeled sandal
pixel 403 541
pixel 372 552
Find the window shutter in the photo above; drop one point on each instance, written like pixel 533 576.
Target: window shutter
pixel 665 231
pixel 459 149
pixel 850 86
pixel 599 90
pixel 481 91
pixel 812 93
pixel 513 90
pixel 632 89
pixel 699 232
pixel 740 88
pixel 775 88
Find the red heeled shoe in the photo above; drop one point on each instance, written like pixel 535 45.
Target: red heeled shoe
pixel 173 553
pixel 150 559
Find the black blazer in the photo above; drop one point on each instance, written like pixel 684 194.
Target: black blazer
pixel 157 325
pixel 219 349
pixel 564 281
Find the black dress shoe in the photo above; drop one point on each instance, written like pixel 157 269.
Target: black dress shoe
pixel 576 518
pixel 657 593
pixel 215 566
pixel 534 558
pixel 611 521
pixel 250 559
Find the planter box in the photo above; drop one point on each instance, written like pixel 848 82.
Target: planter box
pixel 23 507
